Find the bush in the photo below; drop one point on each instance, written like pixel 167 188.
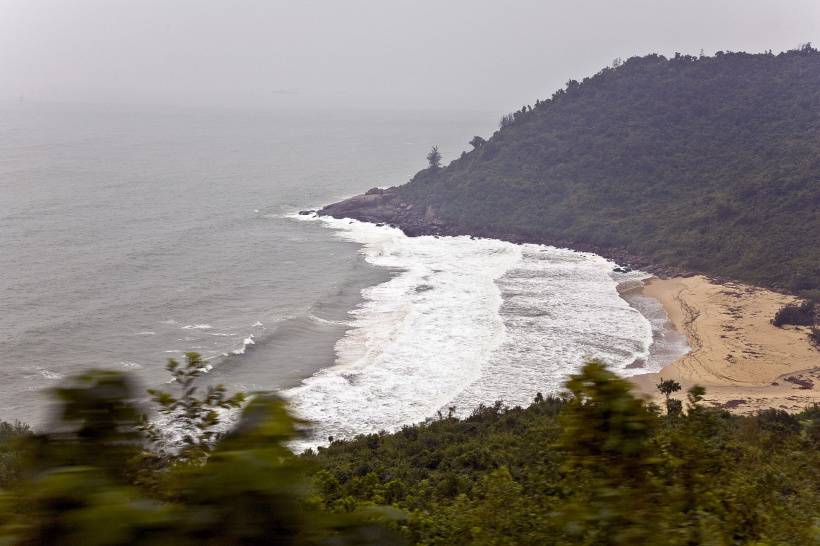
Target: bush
pixel 797 315
pixel 778 421
pixel 11 459
pixel 814 337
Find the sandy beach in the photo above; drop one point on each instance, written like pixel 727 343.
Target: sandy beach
pixel 745 363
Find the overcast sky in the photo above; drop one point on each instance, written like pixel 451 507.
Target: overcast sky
pixel 491 55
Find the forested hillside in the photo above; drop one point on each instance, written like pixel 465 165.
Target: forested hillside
pixel 710 164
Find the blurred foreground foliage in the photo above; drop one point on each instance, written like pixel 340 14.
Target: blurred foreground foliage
pixel 90 480
pixel 596 466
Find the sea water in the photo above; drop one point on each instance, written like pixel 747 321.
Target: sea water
pixel 467 321
pixel 132 235
pixel 129 235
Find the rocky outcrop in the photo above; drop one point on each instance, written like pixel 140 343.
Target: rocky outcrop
pixel 386 206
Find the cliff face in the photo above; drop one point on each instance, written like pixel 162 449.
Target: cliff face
pixel 703 164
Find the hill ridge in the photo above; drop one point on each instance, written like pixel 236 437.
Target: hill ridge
pixel 688 164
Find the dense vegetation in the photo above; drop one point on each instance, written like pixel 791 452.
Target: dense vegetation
pixel 597 466
pixel 800 314
pixel 708 164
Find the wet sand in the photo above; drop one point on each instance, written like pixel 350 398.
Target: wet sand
pixel 745 363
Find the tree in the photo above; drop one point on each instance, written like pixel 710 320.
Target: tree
pixel 506 120
pixel 695 396
pixel 434 158
pixel 477 142
pixel 667 387
pixel 197 417
pixel 98 424
pixel 606 435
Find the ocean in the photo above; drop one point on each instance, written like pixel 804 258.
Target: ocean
pixel 129 235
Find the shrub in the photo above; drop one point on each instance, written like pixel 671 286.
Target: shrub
pixel 798 315
pixel 814 337
pixel 778 421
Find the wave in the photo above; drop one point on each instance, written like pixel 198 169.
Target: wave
pixel 49 374
pixel 561 308
pixel 466 321
pixel 328 322
pixel 247 342
pixel 408 351
pixel 197 327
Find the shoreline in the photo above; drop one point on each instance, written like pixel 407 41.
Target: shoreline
pixel 745 363
pixel 385 206
pixel 668 344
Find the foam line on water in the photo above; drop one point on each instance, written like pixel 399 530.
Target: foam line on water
pixel 418 339
pixel 466 321
pixel 561 308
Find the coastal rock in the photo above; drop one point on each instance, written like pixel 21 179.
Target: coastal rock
pixel 388 207
pixel 379 206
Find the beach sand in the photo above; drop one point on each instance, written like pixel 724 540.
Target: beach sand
pixel 745 363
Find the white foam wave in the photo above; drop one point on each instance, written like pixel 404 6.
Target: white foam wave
pixel 247 342
pixel 466 321
pixel 418 339
pixel 197 327
pixel 321 320
pixel 174 427
pixel 561 308
pixel 48 374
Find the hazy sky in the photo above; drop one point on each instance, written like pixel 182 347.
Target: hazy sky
pixel 445 54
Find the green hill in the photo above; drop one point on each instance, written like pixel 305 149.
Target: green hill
pixel 708 164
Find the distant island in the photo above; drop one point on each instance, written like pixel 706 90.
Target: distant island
pixel 686 165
